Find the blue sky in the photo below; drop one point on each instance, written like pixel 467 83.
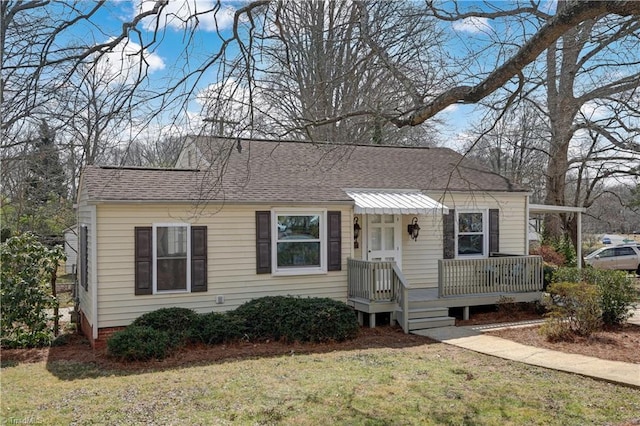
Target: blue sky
pixel 168 58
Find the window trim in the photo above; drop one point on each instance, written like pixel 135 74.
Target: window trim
pixel 303 270
pixel 154 248
pixel 485 233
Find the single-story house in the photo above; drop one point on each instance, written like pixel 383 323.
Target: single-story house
pixel 410 231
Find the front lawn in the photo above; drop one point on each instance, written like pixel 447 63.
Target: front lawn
pixel 425 384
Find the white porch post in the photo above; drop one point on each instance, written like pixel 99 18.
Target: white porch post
pixel 579 241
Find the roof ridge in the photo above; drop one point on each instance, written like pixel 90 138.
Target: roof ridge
pixel 146 168
pixel 311 142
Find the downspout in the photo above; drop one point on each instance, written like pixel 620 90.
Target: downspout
pixel 94 272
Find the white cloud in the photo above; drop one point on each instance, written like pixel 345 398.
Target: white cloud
pixel 181 14
pixel 594 111
pixel 472 25
pixel 452 108
pixel 124 63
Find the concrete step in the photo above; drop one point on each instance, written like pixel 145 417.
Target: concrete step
pixel 425 323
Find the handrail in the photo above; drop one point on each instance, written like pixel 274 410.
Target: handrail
pixel 516 274
pixel 401 290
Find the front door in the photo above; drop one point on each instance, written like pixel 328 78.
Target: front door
pixel 383 241
pixel 383 244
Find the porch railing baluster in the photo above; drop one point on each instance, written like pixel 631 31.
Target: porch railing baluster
pixel 515 274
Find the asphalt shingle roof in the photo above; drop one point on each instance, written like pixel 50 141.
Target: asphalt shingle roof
pixel 274 171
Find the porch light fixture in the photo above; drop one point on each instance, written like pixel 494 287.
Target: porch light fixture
pixel 356 232
pixel 413 229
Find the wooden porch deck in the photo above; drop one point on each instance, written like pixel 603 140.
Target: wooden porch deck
pixel 376 287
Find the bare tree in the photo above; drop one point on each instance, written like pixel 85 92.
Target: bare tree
pixel 590 77
pixel 39 55
pixel 327 60
pixel 515 146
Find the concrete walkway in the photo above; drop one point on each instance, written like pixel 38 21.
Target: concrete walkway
pixel 471 338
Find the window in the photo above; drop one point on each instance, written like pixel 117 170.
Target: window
pixel 171 257
pixel 299 242
pixel 608 253
pixel 625 251
pixel 471 234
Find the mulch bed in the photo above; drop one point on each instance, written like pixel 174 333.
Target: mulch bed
pixel 618 344
pixel 79 350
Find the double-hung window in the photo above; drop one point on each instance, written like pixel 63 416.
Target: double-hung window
pixel 471 232
pixel 299 245
pixel 171 257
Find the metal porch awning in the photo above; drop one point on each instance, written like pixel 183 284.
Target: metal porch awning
pixel 395 202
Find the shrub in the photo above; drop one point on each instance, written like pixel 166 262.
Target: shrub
pixel 27 267
pixel 139 343
pixel 214 327
pixel 549 255
pixel 548 271
pixel 573 309
pixel 617 297
pixel 326 320
pixel 616 290
pixel 176 322
pixel 296 319
pixel 564 247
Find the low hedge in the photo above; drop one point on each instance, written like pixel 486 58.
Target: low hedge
pixel 216 327
pixel 290 319
pixel 176 322
pixel 297 319
pixel 139 343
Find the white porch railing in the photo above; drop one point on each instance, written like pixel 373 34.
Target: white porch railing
pixel 513 274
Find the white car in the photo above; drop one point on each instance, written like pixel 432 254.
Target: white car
pixel 624 257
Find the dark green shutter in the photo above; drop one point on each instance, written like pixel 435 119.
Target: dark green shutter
pixel 143 260
pixel 494 231
pixel 334 241
pixel 198 258
pixel 449 235
pixel 263 242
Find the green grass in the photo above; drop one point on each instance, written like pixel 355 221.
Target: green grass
pixel 429 384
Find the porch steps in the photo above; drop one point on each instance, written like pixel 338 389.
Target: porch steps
pixel 421 318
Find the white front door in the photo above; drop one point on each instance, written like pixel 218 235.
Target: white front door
pixel 383 243
pixel 383 237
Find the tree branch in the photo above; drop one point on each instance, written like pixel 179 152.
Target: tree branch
pixel 556 26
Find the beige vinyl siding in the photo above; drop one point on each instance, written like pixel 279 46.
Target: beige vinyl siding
pixel 513 220
pixel 85 297
pixel 231 261
pixel 420 258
